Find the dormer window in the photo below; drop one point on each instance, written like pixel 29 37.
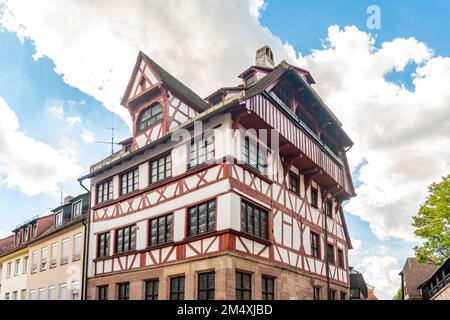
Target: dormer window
pixel 18 238
pixel 76 209
pixel 26 234
pixel 34 230
pixel 58 218
pixel 149 117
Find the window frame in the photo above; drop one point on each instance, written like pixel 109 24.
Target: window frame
pixel 331 258
pixel 132 229
pixel 340 255
pixel 196 141
pixel 261 168
pixel 244 219
pixel 315 192
pixel 166 224
pixel 59 217
pixel 103 292
pixel 63 259
pixel 316 293
pixel 76 237
pixel 293 176
pixel 241 289
pixel 180 293
pixel 103 246
pixel 76 204
pixel 149 122
pixel 126 292
pixel 154 295
pixel 53 255
pixel 197 207
pixel 315 250
pixel 208 289
pixel 100 190
pixel 265 292
pixel 129 188
pixel 328 208
pixel 167 160
pixel 44 259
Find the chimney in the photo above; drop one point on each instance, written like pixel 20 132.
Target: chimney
pixel 264 57
pixel 67 199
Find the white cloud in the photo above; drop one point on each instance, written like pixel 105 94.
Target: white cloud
pixel 381 272
pixel 357 249
pixel 87 136
pixel 401 137
pixel 204 44
pixel 73 121
pixel 56 111
pixel 30 165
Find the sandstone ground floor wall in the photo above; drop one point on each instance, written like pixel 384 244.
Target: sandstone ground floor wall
pixel 289 283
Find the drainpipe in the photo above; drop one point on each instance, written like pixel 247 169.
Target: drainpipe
pixel 326 242
pixel 86 246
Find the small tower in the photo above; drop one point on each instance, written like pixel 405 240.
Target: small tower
pixel 264 57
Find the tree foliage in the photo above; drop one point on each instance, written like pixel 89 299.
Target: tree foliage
pixel 432 223
pixel 398 295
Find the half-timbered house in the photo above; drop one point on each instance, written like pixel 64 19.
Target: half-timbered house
pixel 235 196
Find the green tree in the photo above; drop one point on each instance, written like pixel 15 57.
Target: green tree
pixel 432 223
pixel 398 295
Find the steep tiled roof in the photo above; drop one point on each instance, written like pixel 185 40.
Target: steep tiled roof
pixel 414 274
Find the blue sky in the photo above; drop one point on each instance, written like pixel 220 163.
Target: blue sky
pixel 31 87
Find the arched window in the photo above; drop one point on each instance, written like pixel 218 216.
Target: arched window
pixel 149 116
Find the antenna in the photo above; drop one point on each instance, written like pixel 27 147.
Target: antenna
pixel 61 196
pixel 112 143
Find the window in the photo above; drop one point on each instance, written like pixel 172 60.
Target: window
pixel 104 191
pixel 149 117
pixel 32 295
pixel 314 197
pixel 26 234
pixel 206 285
pixel 254 220
pixel 8 269
pixel 268 288
pixel 255 155
pixel 76 247
pixel 315 246
pixel 130 181
pixel 75 290
pixel 63 291
pixel 58 218
pixel 35 230
pixel 77 208
pixel 202 218
pixel 355 293
pixel 53 254
pixel 177 288
pixel 14 295
pixel 316 293
pixel 44 253
pixel 65 251
pixel 151 289
pixel 330 253
pixel 340 258
pixel 103 244
pixel 34 257
pixel 41 294
pixel 294 184
pixel 18 238
pixel 331 295
pixel 51 293
pixel 25 265
pixel 243 286
pixel 7 296
pixel 201 151
pixel 161 230
pixel 102 293
pixel 343 295
pixel 328 207
pixel 126 239
pixel 17 267
pixel 23 294
pixel 160 168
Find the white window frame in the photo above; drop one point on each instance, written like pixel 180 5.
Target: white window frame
pixel 41 294
pixel 77 247
pixel 74 206
pixel 44 259
pixel 34 262
pixel 62 286
pixel 53 255
pixel 25 264
pixel 64 253
pixel 8 270
pixel 58 218
pixel 51 289
pixel 16 267
pixel 31 295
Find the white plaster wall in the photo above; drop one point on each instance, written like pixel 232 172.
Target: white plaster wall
pixel 15 282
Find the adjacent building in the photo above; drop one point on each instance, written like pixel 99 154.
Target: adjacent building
pixel 57 255
pixel 437 286
pixel 413 275
pixel 15 258
pixel 359 288
pixel 235 196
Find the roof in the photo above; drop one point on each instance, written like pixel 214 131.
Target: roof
pixel 225 90
pixel 357 281
pixel 168 80
pixel 414 274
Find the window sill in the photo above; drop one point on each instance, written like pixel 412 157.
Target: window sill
pixel 254 171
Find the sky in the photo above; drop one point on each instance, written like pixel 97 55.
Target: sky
pixel 383 70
